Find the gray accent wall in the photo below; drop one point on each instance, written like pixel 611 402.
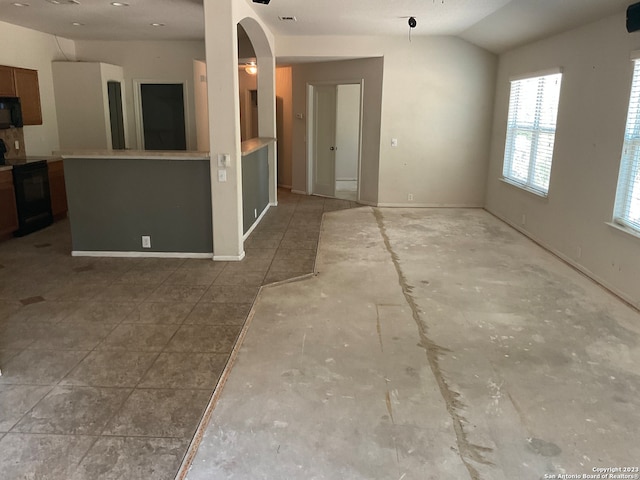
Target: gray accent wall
pixel 255 186
pixel 114 202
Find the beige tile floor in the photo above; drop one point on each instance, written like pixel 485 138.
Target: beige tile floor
pixel 108 364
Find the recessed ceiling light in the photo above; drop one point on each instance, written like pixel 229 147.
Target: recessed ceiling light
pixel 17 4
pixel 288 18
pixel 158 25
pixel 119 4
pixel 77 24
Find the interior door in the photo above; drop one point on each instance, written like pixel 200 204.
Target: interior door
pixel 324 140
pixel 163 120
pixel 116 117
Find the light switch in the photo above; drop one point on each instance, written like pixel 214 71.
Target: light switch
pixel 300 116
pixel 224 160
pixel 222 175
pixel 394 142
pixel 17 144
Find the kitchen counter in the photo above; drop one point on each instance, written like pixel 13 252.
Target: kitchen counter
pixel 253 144
pixel 134 154
pixel 29 159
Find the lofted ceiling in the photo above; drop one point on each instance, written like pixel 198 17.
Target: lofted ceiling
pixel 496 25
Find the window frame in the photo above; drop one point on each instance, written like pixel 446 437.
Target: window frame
pixel 629 183
pixel 535 129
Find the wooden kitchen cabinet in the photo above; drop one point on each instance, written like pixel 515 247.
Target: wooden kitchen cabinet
pixel 57 189
pixel 8 208
pixel 28 89
pixel 23 83
pixel 7 82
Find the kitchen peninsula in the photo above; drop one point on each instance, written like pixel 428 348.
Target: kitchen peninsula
pixel 117 197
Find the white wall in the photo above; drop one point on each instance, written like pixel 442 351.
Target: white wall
pixel 437 101
pixel 83 103
pixel 170 61
pixel 201 107
pixel 437 98
pixel 590 130
pixel 347 131
pixel 22 47
pixel 284 94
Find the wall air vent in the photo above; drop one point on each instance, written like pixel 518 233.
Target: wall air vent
pixel 287 19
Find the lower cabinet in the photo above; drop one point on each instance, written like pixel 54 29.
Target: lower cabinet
pixel 8 208
pixel 57 189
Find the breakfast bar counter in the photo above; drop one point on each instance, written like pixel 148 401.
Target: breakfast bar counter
pixel 117 197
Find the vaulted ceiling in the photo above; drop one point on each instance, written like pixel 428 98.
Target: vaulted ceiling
pixel 496 25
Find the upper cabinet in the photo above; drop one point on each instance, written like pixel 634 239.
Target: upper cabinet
pixel 28 89
pixel 23 83
pixel 7 82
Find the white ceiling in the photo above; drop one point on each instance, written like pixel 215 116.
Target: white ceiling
pixel 496 25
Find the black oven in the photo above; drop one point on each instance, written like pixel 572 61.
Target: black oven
pixel 31 183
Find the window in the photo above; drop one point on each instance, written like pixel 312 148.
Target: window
pixel 531 132
pixel 627 209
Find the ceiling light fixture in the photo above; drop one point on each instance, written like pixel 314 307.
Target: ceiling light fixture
pixel 158 25
pixel 251 68
pixel 119 4
pixel 77 24
pixel 18 4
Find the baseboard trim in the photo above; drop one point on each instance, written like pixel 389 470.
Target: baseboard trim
pixel 255 224
pixel 299 192
pixel 284 186
pixel 90 253
pixel 229 258
pixel 569 261
pixel 428 205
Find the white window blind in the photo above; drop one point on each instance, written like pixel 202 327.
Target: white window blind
pixel 627 208
pixel 531 131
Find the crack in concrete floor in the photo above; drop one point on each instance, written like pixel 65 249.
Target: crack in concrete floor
pixel 466 449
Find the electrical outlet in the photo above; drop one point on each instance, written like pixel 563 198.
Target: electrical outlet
pixel 394 142
pixel 410 197
pixel 222 175
pixel 146 241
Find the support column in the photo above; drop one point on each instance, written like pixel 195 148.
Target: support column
pixel 224 128
pixel 267 119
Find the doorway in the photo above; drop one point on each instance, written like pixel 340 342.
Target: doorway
pixel 116 117
pixel 161 116
pixel 335 134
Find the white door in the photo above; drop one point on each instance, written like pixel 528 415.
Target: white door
pixel 324 140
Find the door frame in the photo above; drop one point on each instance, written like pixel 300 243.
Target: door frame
pixel 137 108
pixel 310 113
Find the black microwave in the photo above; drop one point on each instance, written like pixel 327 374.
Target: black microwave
pixel 10 112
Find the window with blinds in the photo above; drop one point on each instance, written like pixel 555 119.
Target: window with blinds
pixel 531 132
pixel 627 207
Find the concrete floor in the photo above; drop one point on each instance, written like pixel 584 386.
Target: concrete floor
pixel 108 364
pixel 432 344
